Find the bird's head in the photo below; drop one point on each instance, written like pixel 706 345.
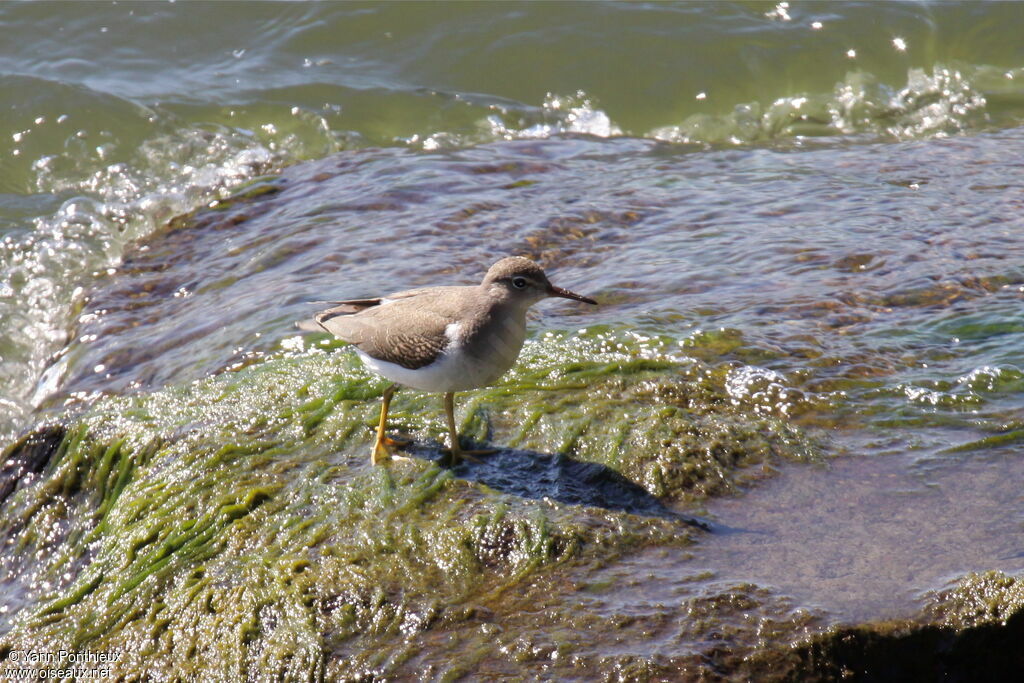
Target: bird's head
pixel 520 280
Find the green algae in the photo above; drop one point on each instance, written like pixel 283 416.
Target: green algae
pixel 988 598
pixel 197 564
pixel 234 525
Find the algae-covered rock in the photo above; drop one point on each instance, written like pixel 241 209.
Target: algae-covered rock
pixel 233 528
pixel 972 632
pixel 990 598
pixel 663 420
pixel 234 525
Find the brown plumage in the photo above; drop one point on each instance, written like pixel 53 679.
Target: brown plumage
pixel 414 343
pixel 443 338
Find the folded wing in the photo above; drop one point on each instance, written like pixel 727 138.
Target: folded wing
pixel 362 322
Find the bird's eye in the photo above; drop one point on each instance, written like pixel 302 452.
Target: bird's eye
pixel 519 282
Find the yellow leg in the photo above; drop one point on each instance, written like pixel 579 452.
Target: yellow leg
pixel 381 450
pixel 457 453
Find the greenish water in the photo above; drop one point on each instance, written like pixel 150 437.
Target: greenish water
pixel 805 215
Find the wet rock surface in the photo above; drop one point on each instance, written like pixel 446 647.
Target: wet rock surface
pixel 235 525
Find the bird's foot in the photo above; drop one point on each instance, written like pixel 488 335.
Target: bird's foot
pixel 380 453
pixel 382 450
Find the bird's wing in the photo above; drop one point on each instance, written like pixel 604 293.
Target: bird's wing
pixel 347 307
pixel 384 333
pixel 340 308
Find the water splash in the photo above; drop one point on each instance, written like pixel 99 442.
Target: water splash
pixel 936 103
pixel 558 115
pixel 576 113
pixel 942 101
pixel 107 206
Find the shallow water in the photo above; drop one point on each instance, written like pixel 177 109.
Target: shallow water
pixel 867 538
pixel 824 199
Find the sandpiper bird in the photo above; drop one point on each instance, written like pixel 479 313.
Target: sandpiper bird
pixel 442 339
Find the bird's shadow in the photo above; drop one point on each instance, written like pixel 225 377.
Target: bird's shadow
pixel 539 476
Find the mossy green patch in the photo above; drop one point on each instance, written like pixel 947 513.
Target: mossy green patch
pixel 977 599
pixel 235 526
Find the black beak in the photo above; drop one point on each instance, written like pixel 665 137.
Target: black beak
pixel 566 294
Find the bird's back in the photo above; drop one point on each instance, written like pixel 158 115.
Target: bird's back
pixel 409 328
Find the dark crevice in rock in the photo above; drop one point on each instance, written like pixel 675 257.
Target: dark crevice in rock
pixel 28 455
